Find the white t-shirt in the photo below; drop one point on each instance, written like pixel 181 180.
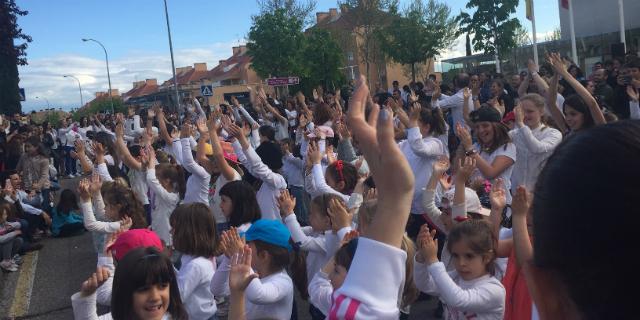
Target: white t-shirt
pixel 214 200
pixel 508 150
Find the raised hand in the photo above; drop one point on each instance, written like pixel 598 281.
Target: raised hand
pixel 371 194
pixel 632 93
pixel 120 130
pixel 231 242
pixel 339 214
pixel 79 144
pixel 90 286
pixel 464 136
pixel 84 190
pixel 313 153
pixel 466 167
pixel 532 66
pixel 185 131
pixel 466 93
pixel 349 236
pixel 521 202
pixel 414 114
pixel 286 203
pixel 125 223
pixel 240 274
pixel 519 115
pixel 98 148
pixel 441 165
pixel 201 124
pixel 498 195
pixel 95 183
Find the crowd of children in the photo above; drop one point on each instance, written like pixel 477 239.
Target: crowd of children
pixel 358 206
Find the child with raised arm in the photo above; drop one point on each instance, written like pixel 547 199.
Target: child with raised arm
pixel 264 167
pixel 197 189
pixel 470 291
pixel 378 255
pixel 167 183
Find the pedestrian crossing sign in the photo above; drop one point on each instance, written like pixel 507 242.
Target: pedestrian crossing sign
pixel 206 91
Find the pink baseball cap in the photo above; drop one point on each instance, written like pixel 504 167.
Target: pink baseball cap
pixel 132 239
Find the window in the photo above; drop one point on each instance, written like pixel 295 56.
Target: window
pixel 350 56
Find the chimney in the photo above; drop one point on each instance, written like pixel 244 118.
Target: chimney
pixel 138 84
pixel 236 50
pixel 201 66
pixel 151 82
pixel 242 49
pixel 333 12
pixel 114 92
pixel 321 16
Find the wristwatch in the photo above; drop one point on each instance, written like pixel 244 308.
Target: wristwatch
pixel 470 152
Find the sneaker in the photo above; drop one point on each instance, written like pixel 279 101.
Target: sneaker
pixel 8 266
pixel 17 259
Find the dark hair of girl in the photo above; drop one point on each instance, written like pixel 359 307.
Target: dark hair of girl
pixel 139 269
pixel 567 230
pixel 68 201
pixel 107 141
pixel 268 132
pixel 245 204
pixel 342 171
pixel 37 143
pixel 500 137
pixel 322 202
pixel 479 239
pixel 321 114
pixel 194 230
pixel 434 119
pixel 577 103
pixel 175 174
pixel 117 194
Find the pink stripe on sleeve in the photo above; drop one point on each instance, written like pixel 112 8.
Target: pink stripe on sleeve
pixel 333 314
pixel 352 309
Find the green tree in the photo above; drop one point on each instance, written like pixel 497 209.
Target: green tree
pixel 492 25
pixel 299 9
pixel 274 43
pixel 100 105
pixel 422 32
pixel 11 55
pixel 322 61
pixel 367 17
pixel 555 35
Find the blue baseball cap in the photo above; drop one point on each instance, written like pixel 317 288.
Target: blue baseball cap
pixel 269 231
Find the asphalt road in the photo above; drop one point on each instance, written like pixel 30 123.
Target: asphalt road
pixel 42 288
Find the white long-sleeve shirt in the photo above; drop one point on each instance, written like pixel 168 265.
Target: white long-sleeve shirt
pixel 164 204
pixel 103 293
pixel 482 298
pixel 194 279
pixel 198 182
pixel 272 183
pixel 315 243
pixel 421 153
pixel 320 292
pixel 220 281
pixel 92 224
pixel 533 147
pixel 373 284
pixel 270 297
pixel 455 103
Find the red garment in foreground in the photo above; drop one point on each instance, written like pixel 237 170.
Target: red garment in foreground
pixel 518 300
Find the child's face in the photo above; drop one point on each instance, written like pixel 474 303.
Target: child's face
pixel 337 276
pixel 226 205
pixel 318 220
pixel 260 261
pixel 468 264
pixel 151 302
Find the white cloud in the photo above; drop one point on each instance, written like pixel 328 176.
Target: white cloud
pixel 43 77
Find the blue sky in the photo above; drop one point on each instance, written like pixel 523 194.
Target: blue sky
pixel 134 33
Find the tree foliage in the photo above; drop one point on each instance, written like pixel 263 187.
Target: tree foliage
pixel 11 55
pixel 322 60
pixel 423 31
pixel 492 25
pixel 100 105
pixel 555 35
pixel 368 17
pixel 275 39
pixel 294 8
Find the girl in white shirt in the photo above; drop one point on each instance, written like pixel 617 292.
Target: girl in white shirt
pixel 194 235
pixel 144 287
pixel 494 153
pixel 318 239
pixel 167 183
pixel 339 179
pixel 471 291
pixel 200 168
pixel 264 164
pixel 534 141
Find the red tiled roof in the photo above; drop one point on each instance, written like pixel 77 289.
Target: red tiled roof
pixel 140 91
pixel 233 66
pixel 187 77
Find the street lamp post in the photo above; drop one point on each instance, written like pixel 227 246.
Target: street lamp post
pixel 45 99
pixel 173 65
pixel 106 56
pixel 79 88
